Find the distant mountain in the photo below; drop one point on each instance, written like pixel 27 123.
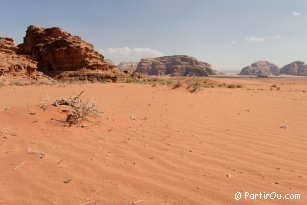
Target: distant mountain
pixel 177 65
pixel 261 69
pixel 128 66
pixel 298 68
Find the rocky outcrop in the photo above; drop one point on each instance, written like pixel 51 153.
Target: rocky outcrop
pixel 261 69
pixel 7 44
pixel 298 68
pixel 61 55
pixel 12 64
pixel 178 65
pixel 127 66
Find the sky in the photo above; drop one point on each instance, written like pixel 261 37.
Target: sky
pixel 228 34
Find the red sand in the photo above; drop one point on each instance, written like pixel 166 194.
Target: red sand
pixel 182 148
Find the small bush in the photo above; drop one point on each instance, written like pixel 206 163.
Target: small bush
pixel 81 112
pixel 78 110
pixel 128 81
pixel 177 84
pixel 194 87
pixel 273 86
pixel 231 86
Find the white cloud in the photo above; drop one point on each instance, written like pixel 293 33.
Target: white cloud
pixel 233 42
pixel 127 54
pixel 295 13
pixel 253 39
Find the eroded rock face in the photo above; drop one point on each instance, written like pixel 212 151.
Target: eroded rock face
pixel 298 68
pixel 127 66
pixel 261 69
pixel 57 52
pixel 178 65
pixel 7 44
pixel 12 64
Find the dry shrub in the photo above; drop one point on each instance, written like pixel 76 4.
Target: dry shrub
pixel 79 110
pixel 82 111
pixel 273 86
pixel 154 85
pixel 194 87
pixel 177 84
pixel 231 86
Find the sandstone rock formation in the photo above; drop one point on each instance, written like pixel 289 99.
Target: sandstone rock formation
pixel 63 56
pixel 178 65
pixel 261 69
pixel 298 68
pixel 12 64
pixel 127 66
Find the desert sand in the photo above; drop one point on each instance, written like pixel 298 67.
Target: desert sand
pixel 155 145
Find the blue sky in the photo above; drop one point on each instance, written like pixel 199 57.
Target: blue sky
pixel 229 34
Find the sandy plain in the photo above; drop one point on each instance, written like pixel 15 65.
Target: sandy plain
pixel 155 145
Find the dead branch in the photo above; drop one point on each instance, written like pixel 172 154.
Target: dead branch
pixel 88 203
pixel 41 155
pixel 19 164
pixel 72 101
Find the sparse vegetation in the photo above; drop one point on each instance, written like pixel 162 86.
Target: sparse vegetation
pixel 78 109
pixel 26 82
pixel 231 86
pixel 194 84
pixel 273 86
pixel 194 87
pixel 177 84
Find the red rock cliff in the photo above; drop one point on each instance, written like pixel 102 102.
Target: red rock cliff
pixel 59 53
